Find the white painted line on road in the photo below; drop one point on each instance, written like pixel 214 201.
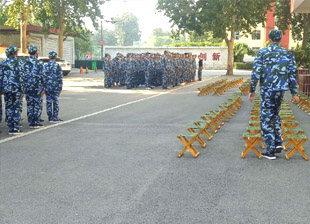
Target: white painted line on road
pixel 99 112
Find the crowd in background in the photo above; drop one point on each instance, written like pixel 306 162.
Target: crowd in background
pixel 148 69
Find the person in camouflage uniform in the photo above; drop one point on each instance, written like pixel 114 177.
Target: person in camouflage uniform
pixel 34 90
pixel 52 82
pixel 0 93
pixel 122 71
pixel 12 86
pixel 107 69
pixel 129 71
pixel 275 68
pixel 147 72
pixel 158 68
pixel 166 69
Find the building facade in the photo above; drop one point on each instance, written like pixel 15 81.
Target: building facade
pixel 259 38
pixel 35 36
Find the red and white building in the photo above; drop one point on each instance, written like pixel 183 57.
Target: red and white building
pixel 259 38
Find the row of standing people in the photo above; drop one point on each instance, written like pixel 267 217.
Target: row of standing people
pixel 133 70
pixel 29 77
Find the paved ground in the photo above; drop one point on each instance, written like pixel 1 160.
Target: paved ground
pixel 114 160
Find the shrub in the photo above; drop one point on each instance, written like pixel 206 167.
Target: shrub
pixel 197 44
pixel 243 65
pixel 302 56
pixel 241 49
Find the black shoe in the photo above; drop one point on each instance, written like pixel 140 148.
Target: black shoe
pixel 270 156
pixel 58 120
pixel 278 149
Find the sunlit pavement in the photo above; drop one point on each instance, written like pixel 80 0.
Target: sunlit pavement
pixel 114 160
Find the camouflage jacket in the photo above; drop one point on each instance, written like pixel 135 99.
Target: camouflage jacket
pixel 33 75
pixel 130 66
pixel 107 68
pixel 52 78
pixel 11 76
pixel 275 68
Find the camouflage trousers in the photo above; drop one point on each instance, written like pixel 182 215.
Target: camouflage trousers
pixel 165 81
pixel 147 79
pixel 0 108
pixel 129 78
pixel 108 82
pixel 52 105
pixel 12 110
pixel 270 119
pixel 34 108
pixel 122 79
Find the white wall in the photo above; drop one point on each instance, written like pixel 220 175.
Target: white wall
pixel 47 43
pixel 208 51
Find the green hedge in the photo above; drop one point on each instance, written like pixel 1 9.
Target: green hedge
pixel 243 65
pixel 196 44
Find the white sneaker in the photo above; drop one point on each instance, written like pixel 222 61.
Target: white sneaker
pixel 16 133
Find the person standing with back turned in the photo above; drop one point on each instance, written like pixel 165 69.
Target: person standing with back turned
pixel 53 86
pixel 200 67
pixel 275 68
pixel 12 86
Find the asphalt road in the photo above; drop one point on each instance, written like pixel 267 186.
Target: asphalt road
pixel 114 160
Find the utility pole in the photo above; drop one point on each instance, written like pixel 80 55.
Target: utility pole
pixel 101 42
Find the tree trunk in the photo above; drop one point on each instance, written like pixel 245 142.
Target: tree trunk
pixel 23 27
pixel 61 32
pixel 305 31
pixel 230 45
pixel 230 61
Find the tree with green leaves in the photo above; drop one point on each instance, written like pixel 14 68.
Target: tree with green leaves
pixel 222 17
pixel 19 12
pixel 161 38
pixel 241 49
pixel 3 15
pixel 82 43
pixel 109 38
pixel 299 23
pixel 205 37
pixel 126 29
pixel 67 16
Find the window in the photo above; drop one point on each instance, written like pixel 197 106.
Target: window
pixel 237 35
pixel 256 35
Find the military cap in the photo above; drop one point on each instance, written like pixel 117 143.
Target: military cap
pixel 11 50
pixel 32 49
pixel 52 54
pixel 107 55
pixel 275 35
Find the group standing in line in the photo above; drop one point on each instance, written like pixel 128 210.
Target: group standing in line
pixel 151 70
pixel 32 78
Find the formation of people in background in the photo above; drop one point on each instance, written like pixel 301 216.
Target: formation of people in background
pixel 32 78
pixel 151 70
